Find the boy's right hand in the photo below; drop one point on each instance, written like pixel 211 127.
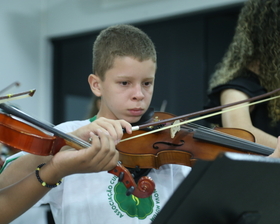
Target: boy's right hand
pixel 113 127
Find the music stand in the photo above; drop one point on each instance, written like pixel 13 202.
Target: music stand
pixel 234 188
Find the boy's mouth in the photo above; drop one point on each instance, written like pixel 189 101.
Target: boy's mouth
pixel 136 111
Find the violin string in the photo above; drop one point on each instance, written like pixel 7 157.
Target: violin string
pixel 80 141
pixel 219 134
pixel 231 138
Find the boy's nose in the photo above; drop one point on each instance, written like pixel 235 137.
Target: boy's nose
pixel 138 93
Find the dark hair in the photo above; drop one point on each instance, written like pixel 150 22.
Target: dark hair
pixel 256 43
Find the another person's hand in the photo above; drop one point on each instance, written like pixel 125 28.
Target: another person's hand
pixel 276 153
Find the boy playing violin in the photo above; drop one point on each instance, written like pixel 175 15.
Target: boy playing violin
pixel 124 67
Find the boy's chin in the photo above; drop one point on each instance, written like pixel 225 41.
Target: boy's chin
pixel 133 120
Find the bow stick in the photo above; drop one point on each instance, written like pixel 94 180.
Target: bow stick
pixel 9 86
pixel 17 96
pixel 176 119
pixel 135 128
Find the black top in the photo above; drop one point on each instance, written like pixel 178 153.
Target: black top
pixel 249 84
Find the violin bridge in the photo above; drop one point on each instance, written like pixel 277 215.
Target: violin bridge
pixel 175 128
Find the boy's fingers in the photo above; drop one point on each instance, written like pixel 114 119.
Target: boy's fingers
pixel 108 156
pixel 112 163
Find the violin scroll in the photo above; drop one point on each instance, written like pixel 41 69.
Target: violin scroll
pixel 145 187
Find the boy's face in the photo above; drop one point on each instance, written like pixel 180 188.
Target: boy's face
pixel 127 89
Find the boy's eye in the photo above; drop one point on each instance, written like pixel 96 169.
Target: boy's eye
pixel 147 83
pixel 124 83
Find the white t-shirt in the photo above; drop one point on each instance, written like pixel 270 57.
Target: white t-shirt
pixel 100 199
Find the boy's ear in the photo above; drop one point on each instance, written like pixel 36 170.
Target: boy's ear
pixel 94 83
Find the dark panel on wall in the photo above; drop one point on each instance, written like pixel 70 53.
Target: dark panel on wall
pixel 179 44
pixel 188 48
pixel 72 65
pixel 220 30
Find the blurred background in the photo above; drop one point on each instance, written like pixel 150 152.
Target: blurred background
pixel 47 45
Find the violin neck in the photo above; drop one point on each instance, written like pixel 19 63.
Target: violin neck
pixel 231 142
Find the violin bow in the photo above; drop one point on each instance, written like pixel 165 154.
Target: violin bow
pixel 9 86
pixel 17 96
pixel 176 119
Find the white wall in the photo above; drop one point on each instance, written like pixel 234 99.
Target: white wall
pixel 20 26
pixel 71 16
pixel 26 26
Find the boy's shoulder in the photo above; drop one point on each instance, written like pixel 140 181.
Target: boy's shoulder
pixel 70 126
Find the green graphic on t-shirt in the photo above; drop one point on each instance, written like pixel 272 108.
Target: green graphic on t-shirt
pixel 131 205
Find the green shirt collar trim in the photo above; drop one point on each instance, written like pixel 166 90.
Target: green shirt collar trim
pixel 93 118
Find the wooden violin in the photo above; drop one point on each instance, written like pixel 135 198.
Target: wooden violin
pixel 192 142
pixel 149 148
pixel 41 139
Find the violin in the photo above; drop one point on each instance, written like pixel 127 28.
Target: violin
pixel 192 142
pixel 28 134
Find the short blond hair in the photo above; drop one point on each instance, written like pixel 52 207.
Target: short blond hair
pixel 119 41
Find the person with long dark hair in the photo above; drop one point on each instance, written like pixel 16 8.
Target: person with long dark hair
pixel 250 67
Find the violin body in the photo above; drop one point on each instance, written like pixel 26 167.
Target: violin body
pixel 19 135
pixel 159 148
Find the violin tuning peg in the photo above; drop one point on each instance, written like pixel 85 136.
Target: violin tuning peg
pixel 121 176
pixel 137 169
pixel 130 191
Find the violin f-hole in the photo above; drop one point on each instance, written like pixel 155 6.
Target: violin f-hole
pixel 155 145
